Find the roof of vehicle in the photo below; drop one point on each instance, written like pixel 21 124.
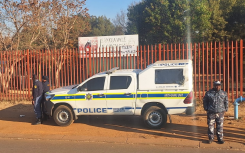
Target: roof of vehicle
pixel 172 61
pixel 116 70
pixel 137 71
pixel 121 71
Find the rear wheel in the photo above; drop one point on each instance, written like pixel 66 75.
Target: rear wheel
pixel 155 117
pixel 63 116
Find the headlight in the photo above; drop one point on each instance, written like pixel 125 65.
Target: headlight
pixel 48 97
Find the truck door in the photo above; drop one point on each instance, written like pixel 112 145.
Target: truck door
pixel 91 99
pixel 120 96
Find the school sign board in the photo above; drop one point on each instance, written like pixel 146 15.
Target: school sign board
pixel 119 45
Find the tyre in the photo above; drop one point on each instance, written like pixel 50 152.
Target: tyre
pixel 63 116
pixel 155 117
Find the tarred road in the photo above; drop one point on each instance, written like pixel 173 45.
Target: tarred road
pixel 40 146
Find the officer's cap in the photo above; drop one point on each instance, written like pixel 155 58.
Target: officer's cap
pixel 217 83
pixel 45 77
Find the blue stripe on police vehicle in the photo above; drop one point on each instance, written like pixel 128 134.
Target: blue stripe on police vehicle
pixel 120 96
pixel 167 95
pixel 97 96
pixel 80 96
pixel 69 97
pixel 161 95
pixel 91 110
pixel 153 95
pixel 102 110
pixel 63 97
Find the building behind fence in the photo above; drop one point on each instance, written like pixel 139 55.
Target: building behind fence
pixel 211 61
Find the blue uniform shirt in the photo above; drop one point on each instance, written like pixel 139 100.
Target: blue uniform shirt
pixel 46 87
pixel 37 89
pixel 215 101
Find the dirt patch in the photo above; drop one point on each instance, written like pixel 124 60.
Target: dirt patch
pixel 229 114
pixel 20 106
pixel 193 127
pixel 26 106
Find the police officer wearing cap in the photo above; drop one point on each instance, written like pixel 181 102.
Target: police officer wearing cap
pixel 46 88
pixel 37 92
pixel 215 102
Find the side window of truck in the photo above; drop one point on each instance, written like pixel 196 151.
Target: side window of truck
pixel 94 84
pixel 169 76
pixel 120 82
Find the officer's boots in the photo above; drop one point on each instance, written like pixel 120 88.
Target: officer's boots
pixel 39 121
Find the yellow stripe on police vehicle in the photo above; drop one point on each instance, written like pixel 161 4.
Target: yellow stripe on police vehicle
pixel 164 87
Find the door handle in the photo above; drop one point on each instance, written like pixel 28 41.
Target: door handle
pixel 127 94
pixel 101 95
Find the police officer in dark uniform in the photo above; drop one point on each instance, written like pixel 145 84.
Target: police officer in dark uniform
pixel 37 92
pixel 46 88
pixel 215 102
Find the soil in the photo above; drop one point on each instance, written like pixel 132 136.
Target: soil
pixel 192 127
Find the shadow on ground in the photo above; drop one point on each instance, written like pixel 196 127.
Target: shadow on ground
pixel 14 114
pixel 171 130
pixel 131 124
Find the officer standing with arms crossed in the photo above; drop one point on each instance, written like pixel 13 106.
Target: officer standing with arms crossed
pixel 37 92
pixel 215 102
pixel 46 88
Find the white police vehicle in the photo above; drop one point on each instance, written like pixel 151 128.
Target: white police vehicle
pixel 165 87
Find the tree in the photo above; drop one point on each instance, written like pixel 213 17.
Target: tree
pixel 120 21
pixel 173 21
pixel 236 20
pixel 14 16
pixel 101 26
pixel 46 24
pixel 136 24
pixel 199 16
pixel 158 21
pixel 217 30
pixel 60 21
pixel 81 28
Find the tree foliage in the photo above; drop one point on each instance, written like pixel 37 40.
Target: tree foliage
pixel 168 21
pixel 102 26
pixel 42 24
pixel 120 21
pixel 56 24
pixel 236 20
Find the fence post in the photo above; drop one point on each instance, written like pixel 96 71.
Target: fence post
pixel 28 72
pixel 241 67
pixel 90 68
pixel 159 48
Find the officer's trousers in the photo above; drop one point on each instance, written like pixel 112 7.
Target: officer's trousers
pixel 37 107
pixel 43 107
pixel 217 118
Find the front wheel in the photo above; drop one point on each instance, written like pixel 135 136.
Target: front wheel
pixel 155 117
pixel 63 116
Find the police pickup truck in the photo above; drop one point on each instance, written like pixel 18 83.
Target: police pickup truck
pixel 164 87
